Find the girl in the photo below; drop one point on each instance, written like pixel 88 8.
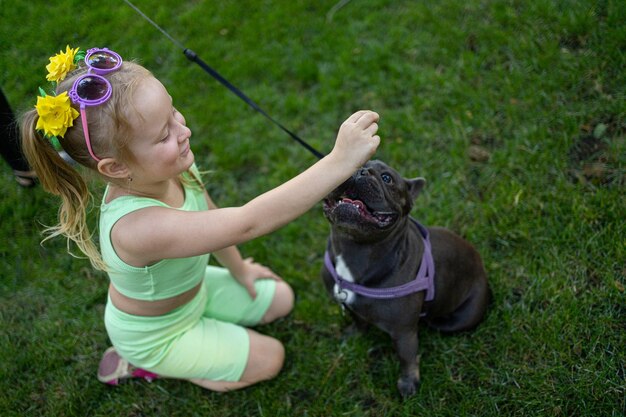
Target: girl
pixel 168 313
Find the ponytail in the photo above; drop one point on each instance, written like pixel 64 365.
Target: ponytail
pixel 60 178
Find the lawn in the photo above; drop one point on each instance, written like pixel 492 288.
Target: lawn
pixel 514 112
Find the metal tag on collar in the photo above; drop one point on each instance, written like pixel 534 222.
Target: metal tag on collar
pixel 342 295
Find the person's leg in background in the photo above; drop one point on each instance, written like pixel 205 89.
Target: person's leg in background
pixel 10 147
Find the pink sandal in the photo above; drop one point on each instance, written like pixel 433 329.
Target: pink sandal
pixel 113 369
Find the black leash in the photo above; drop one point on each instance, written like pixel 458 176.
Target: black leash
pixel 192 56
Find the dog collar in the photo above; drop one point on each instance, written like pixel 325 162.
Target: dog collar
pixel 423 281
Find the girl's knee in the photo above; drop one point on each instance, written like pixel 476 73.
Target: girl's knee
pixel 276 360
pixel 282 303
pixel 265 360
pixel 284 297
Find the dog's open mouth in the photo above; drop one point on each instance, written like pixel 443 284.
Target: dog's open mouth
pixel 345 209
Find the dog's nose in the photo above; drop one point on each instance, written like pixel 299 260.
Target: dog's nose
pixel 363 172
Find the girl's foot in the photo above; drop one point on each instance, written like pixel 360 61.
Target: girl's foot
pixel 113 369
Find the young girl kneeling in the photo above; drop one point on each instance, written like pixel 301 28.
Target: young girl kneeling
pixel 169 314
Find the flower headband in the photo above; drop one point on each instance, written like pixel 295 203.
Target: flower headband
pixel 56 114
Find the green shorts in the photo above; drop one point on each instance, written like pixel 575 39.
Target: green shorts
pixel 204 338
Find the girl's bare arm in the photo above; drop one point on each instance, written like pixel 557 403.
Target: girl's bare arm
pixel 156 233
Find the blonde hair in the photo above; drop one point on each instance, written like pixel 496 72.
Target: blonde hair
pixel 110 130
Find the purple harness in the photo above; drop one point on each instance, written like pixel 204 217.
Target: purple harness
pixel 423 280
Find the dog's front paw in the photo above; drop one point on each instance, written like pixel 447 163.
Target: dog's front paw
pixel 408 385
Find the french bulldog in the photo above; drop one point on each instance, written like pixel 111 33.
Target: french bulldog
pixel 388 270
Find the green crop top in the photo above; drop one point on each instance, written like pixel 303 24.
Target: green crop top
pixel 164 279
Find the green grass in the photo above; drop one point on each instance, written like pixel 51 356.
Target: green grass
pixel 514 112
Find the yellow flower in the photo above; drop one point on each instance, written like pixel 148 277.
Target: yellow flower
pixel 55 114
pixel 61 64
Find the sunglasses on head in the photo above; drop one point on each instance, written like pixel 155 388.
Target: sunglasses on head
pixel 92 89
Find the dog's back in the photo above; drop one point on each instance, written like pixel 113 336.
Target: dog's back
pixel 461 289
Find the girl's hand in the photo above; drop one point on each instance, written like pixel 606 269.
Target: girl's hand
pixel 357 139
pixel 249 272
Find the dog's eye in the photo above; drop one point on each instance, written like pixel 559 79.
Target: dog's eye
pixel 387 179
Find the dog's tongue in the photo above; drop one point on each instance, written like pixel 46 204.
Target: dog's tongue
pixel 357 203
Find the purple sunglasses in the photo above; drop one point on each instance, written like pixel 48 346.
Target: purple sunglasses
pixel 92 89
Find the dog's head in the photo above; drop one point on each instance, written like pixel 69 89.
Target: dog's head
pixel 372 202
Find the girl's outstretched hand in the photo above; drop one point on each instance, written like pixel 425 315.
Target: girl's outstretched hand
pixel 250 272
pixel 357 139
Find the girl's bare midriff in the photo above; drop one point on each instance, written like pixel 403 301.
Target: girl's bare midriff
pixel 150 308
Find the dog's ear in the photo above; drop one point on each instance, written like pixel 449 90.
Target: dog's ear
pixel 415 186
